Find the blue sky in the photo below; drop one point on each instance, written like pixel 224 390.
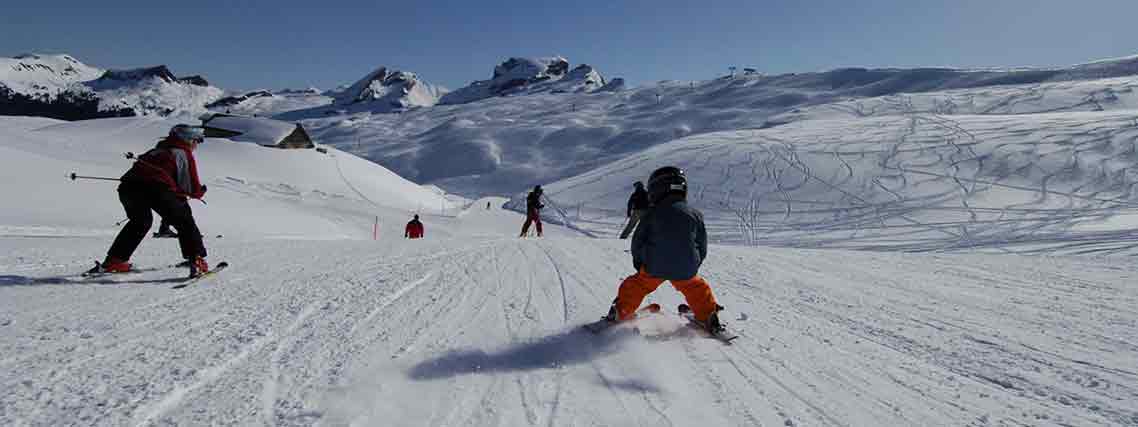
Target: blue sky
pixel 253 44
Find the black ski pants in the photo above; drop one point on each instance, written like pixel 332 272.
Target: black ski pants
pixel 138 199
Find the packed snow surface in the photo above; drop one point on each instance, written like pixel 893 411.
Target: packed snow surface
pixel 486 331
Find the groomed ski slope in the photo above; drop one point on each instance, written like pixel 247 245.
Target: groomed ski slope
pixel 484 331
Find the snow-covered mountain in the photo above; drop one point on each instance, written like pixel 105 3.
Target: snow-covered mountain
pixel 153 91
pixel 32 74
pixel 380 91
pixel 527 76
pixel 268 103
pixel 392 89
pixel 61 86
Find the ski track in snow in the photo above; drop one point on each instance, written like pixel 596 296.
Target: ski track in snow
pixel 484 332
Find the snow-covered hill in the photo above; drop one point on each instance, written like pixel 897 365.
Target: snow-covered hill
pixel 62 87
pixel 916 182
pixel 254 191
pixel 502 145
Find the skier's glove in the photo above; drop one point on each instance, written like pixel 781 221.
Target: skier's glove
pixel 203 189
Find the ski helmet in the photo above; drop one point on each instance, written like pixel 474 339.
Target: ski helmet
pixel 667 180
pixel 537 189
pixel 194 134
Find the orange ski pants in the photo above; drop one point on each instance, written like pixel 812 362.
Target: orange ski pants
pixel 637 286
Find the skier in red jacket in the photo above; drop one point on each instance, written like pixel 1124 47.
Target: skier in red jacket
pixel 161 180
pixel 414 229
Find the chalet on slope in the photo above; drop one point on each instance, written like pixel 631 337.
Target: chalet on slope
pixel 256 130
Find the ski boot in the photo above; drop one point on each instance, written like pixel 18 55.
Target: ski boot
pixel 713 325
pixel 198 267
pixel 109 266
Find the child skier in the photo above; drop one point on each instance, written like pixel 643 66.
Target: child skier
pixel 161 180
pixel 669 244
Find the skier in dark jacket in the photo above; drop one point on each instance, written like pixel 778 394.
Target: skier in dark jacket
pixel 533 211
pixel 638 204
pixel 414 229
pixel 161 180
pixel 670 244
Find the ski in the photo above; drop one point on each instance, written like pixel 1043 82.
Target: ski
pixel 97 271
pixel 723 335
pixel 191 280
pixel 604 324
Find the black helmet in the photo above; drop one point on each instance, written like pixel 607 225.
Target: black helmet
pixel 638 184
pixel 667 180
pixel 537 189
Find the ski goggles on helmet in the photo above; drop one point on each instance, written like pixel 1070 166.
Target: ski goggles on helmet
pixel 195 134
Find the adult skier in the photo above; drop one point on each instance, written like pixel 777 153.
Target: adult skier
pixel 161 180
pixel 414 229
pixel 638 203
pixel 533 211
pixel 670 244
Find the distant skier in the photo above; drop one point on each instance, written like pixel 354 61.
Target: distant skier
pixel 414 229
pixel 533 211
pixel 638 204
pixel 487 205
pixel 670 244
pixel 161 180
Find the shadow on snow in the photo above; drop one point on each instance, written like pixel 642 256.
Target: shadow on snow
pixel 567 348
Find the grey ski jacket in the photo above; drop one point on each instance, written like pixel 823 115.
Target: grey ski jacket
pixel 671 240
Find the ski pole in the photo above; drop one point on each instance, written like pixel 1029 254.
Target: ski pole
pixel 75 176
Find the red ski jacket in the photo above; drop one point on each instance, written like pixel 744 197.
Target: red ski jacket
pixel 170 164
pixel 414 230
